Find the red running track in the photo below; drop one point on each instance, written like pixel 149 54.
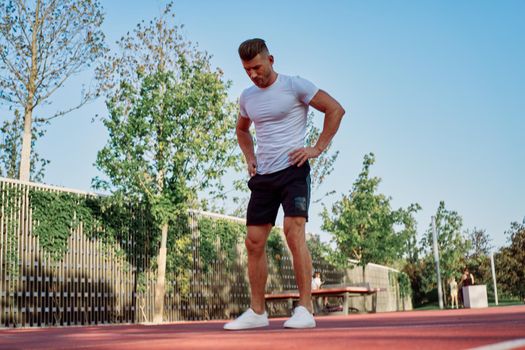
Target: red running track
pixel 448 329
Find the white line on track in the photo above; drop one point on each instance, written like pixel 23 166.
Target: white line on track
pixel 506 345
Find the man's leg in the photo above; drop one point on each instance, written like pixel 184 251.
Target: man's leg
pixel 294 230
pixel 255 316
pixel 257 264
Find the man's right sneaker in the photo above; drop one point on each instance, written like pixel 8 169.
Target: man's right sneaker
pixel 249 319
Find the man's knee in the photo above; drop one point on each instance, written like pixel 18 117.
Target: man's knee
pixel 254 246
pixel 294 230
pixel 294 226
pixel 294 223
pixel 256 239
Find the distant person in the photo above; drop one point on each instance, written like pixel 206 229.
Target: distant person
pixel 453 287
pixel 277 105
pixel 316 281
pixel 316 285
pixel 467 279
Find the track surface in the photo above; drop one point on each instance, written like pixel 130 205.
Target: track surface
pixel 450 329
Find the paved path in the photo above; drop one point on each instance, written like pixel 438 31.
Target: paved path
pixel 449 329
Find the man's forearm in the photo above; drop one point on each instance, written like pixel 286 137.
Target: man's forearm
pixel 332 120
pixel 245 140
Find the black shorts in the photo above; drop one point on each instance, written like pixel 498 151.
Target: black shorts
pixel 289 187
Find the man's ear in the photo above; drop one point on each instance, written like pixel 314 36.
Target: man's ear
pixel 270 57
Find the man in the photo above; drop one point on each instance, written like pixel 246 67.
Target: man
pixel 280 174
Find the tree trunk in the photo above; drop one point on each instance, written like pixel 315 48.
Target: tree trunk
pixel 445 290
pixel 364 284
pixel 161 277
pixel 25 156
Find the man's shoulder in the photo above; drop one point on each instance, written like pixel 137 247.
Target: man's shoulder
pixel 293 78
pixel 290 79
pixel 248 90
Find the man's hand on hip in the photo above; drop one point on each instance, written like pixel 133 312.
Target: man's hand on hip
pixel 252 167
pixel 301 155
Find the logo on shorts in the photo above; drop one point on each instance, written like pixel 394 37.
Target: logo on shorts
pixel 300 203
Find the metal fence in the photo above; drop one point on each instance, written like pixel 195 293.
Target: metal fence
pixel 97 281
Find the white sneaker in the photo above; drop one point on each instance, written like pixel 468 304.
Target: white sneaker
pixel 249 319
pixel 301 318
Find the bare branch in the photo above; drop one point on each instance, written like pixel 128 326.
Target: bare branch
pixel 21 9
pixel 64 112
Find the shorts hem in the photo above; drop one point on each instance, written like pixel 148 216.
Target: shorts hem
pixel 259 223
pixel 297 215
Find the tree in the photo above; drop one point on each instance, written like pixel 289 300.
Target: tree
pixel 412 265
pixel 363 223
pixel 42 44
pixel 319 250
pixel 477 257
pixel 408 233
pixel 10 145
pixel 452 246
pixel 510 262
pixel 170 127
pixel 480 242
pixel 323 165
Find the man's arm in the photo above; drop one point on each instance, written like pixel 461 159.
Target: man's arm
pixel 333 113
pixel 244 138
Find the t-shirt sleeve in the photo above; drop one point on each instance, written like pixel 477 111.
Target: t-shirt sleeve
pixel 304 89
pixel 242 106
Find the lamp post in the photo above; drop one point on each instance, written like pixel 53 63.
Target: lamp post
pixel 494 277
pixel 436 259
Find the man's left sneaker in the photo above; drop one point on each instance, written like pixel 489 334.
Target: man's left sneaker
pixel 301 318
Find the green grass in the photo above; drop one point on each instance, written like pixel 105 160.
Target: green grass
pixel 506 302
pixel 429 306
pixel 501 302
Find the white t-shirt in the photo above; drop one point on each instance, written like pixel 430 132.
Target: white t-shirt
pixel 316 283
pixel 279 114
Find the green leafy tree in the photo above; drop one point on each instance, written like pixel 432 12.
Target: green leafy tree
pixel 10 145
pixel 480 242
pixel 477 259
pixel 452 246
pixel 410 278
pixel 363 223
pixel 319 250
pixel 415 271
pixel 323 165
pixel 170 127
pixel 510 262
pixel 42 44
pixel 408 231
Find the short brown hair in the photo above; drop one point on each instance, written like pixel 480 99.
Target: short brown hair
pixel 251 48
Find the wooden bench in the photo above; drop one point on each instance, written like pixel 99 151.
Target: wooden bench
pixel 344 292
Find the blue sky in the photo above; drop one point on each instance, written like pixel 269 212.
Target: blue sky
pixel 435 89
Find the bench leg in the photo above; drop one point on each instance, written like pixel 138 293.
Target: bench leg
pixel 346 300
pixel 290 305
pixel 317 305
